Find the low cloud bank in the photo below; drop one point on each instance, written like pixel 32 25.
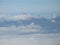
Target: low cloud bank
pixel 34 39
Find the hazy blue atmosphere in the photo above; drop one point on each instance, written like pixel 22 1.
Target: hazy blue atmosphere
pixel 29 22
pixel 29 6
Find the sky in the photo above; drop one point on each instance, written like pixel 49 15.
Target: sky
pixel 29 6
pixel 26 28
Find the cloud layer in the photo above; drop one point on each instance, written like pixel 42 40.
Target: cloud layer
pixel 27 29
pixel 26 23
pixel 17 17
pixel 35 39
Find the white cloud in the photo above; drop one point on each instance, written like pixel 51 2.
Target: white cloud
pixel 52 20
pixel 17 17
pixel 35 39
pixel 29 28
pixel 24 17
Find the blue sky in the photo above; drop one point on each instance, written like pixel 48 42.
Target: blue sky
pixel 18 6
pixel 28 29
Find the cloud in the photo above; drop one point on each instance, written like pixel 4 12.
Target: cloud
pixel 31 28
pixel 16 17
pixel 25 16
pixel 26 29
pixel 19 17
pixel 32 39
pixel 35 39
pixel 53 20
pixel 28 23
